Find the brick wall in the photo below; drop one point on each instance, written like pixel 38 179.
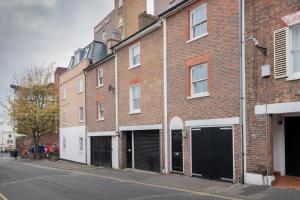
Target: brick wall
pixel 220 49
pixel 150 77
pixel 94 93
pixel 130 12
pixel 262 19
pixel 24 143
pixel 69 81
pixel 107 24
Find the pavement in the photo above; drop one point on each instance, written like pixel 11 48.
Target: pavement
pixel 43 179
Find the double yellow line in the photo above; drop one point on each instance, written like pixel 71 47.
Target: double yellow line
pixel 3 197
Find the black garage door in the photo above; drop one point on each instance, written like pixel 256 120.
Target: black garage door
pixel 212 155
pixel 101 151
pixel 146 150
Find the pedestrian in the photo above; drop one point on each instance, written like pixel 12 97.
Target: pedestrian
pixel 16 151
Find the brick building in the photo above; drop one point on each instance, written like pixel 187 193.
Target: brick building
pixel 203 89
pixel 102 138
pixel 72 102
pixel 273 91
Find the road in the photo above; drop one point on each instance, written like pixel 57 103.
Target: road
pixel 21 181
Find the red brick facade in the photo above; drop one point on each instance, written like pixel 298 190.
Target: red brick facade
pixel 220 50
pixel 149 75
pixel 262 19
pixel 103 94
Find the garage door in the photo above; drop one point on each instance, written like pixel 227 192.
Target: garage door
pixel 101 151
pixel 146 150
pixel 212 155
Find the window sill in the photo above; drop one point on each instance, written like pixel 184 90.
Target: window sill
pixel 134 112
pixel 134 66
pixel 80 122
pixel 293 77
pixel 99 86
pixel 204 94
pixel 99 120
pixel 80 92
pixel 197 38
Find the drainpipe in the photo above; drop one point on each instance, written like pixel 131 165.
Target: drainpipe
pixel 85 116
pixel 242 90
pixel 165 95
pixel 117 104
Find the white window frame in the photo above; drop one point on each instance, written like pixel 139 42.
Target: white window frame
pixel 80 109
pixel 290 61
pixel 80 86
pixel 120 21
pixel 192 38
pixel 192 93
pixel 104 35
pixel 99 110
pixel 120 3
pixel 100 72
pixel 64 118
pixel 131 65
pixel 80 144
pixel 134 111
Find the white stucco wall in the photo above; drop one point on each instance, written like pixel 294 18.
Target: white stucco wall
pixel 278 145
pixel 72 151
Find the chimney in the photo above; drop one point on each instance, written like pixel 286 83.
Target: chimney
pixel 110 43
pixel 145 19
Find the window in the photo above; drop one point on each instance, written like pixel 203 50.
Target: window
pixel 80 114
pixel 296 49
pixel 135 97
pixel 64 143
pixel 198 22
pixel 120 3
pixel 199 80
pixel 120 21
pixel 80 144
pixel 100 113
pixel 100 77
pixel 80 86
pixel 10 141
pixel 134 55
pixel 104 36
pixel 9 136
pixel 64 117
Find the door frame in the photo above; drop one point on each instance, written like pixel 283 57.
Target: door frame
pixel 284 126
pixel 111 152
pixel 171 150
pixel 233 149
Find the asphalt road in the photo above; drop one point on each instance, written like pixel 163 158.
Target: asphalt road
pixel 20 181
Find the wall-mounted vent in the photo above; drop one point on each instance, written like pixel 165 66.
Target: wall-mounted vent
pixel 280 53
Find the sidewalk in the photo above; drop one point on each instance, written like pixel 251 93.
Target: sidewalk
pixel 175 181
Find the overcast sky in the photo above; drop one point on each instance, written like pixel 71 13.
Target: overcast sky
pixel 37 32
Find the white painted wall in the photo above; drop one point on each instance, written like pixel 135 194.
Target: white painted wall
pixel 278 145
pixel 115 153
pixel 72 152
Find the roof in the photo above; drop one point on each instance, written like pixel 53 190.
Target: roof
pixel 107 57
